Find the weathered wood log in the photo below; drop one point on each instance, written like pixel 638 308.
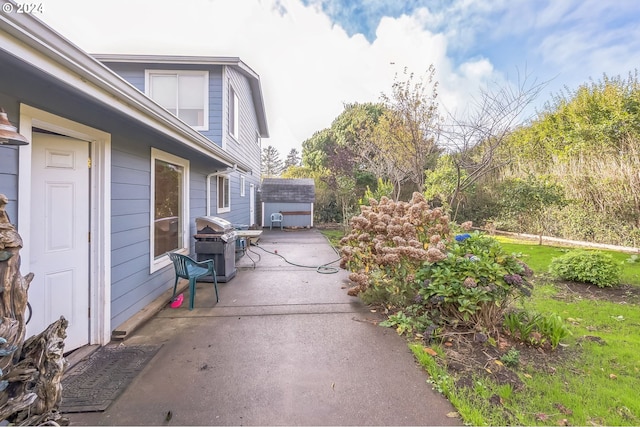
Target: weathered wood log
pixel 35 389
pixel 30 372
pixel 13 287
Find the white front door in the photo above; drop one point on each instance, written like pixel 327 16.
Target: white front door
pixel 252 204
pixel 59 242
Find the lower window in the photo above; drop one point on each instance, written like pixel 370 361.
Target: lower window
pixel 169 206
pixel 224 194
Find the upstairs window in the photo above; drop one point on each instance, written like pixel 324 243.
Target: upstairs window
pixel 233 113
pixel 183 93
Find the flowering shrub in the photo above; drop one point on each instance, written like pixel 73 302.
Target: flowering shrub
pixel 387 244
pixel 474 284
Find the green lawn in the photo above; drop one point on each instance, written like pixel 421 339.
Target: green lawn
pixel 333 236
pixel 538 257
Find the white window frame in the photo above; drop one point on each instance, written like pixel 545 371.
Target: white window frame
pixel 227 187
pixel 163 261
pixel 147 89
pixel 242 185
pixel 234 114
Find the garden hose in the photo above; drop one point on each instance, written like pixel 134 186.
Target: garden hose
pixel 322 269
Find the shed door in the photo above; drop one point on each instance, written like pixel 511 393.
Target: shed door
pixel 60 236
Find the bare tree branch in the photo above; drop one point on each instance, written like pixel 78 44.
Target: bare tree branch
pixel 475 138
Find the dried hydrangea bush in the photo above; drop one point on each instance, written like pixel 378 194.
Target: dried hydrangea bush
pixel 388 242
pixel 404 255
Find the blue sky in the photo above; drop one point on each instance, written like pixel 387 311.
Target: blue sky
pixel 545 34
pixel 315 55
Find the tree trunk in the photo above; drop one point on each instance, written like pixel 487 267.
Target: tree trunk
pixel 30 372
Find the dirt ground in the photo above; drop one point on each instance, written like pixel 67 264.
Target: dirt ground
pixel 469 357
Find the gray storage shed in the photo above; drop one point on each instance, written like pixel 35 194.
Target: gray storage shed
pixel 293 198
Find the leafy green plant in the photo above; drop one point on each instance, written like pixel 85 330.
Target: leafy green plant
pixel 584 266
pixel 512 321
pixel 535 328
pixel 518 325
pixel 408 323
pixel 384 188
pixel 400 321
pixel 553 328
pixel 474 283
pixel 531 199
pixel 595 376
pixel 511 358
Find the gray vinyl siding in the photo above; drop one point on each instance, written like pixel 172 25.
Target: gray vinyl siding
pixel 245 146
pixel 135 75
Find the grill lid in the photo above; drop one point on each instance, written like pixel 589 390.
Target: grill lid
pixel 215 224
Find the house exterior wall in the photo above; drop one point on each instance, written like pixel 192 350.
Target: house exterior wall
pixel 135 74
pixel 132 285
pixel 246 147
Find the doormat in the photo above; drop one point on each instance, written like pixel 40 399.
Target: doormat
pixel 93 384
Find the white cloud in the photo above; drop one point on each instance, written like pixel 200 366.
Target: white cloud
pixel 310 67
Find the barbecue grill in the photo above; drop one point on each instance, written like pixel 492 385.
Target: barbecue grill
pixel 216 240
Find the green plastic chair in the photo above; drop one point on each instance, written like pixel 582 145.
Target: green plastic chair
pixel 187 268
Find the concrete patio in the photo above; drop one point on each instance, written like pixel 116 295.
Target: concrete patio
pixel 285 345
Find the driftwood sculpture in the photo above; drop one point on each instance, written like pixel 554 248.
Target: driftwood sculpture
pixel 31 371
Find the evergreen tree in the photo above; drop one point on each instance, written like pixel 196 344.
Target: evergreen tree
pixel 293 159
pixel 271 162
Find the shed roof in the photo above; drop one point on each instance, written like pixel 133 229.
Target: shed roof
pixel 288 190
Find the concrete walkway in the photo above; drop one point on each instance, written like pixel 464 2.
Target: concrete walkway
pixel 285 345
